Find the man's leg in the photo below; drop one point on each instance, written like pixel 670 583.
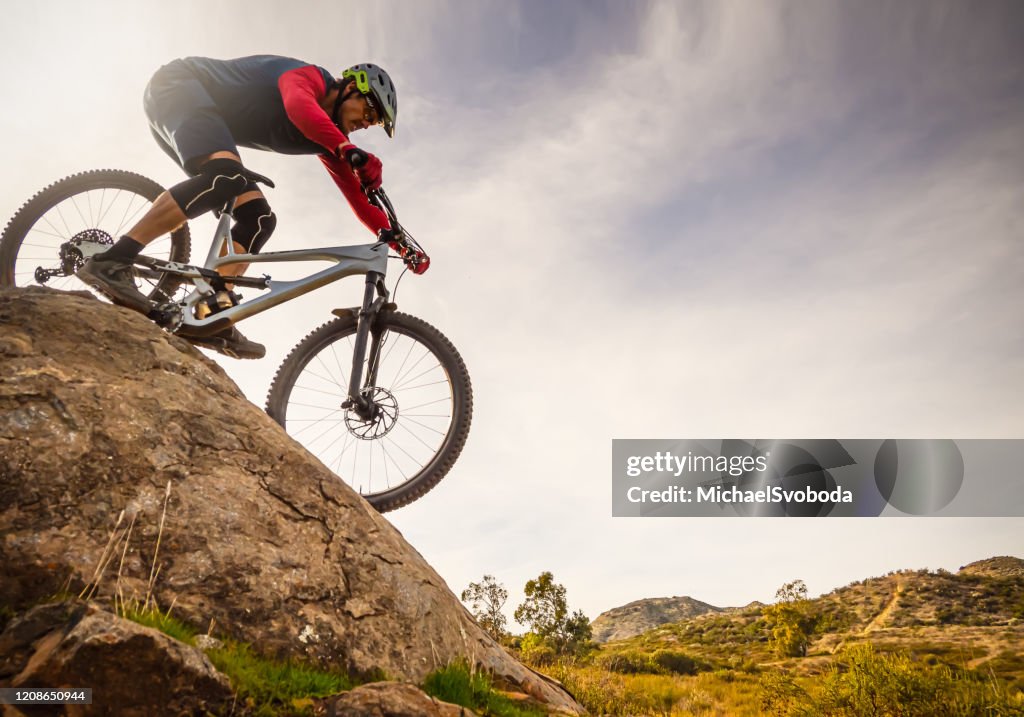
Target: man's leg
pixel 254 223
pixel 220 177
pixel 166 214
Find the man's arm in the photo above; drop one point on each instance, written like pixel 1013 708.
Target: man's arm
pixel 348 183
pixel 302 89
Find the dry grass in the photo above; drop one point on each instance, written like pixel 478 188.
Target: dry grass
pixel 964 624
pixel 711 694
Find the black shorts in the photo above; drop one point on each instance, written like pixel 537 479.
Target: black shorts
pixel 183 117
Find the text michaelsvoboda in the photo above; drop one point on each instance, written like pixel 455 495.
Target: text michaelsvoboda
pixel 718 494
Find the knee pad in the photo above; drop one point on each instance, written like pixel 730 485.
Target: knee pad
pixel 218 181
pixel 254 223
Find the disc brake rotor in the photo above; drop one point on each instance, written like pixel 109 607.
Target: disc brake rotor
pixel 384 419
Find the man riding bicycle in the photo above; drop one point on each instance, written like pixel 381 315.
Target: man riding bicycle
pixel 201 110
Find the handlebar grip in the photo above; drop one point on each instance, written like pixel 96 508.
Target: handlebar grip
pixel 356 157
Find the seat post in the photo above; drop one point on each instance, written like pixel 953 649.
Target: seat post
pixel 222 237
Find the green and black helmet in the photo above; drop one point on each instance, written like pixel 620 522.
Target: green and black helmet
pixel 372 80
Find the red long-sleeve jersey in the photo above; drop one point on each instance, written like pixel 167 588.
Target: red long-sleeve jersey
pixel 302 90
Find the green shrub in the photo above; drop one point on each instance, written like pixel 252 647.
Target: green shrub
pixel 627 663
pixel 678 662
pixel 660 662
pixel 865 682
pixel 535 650
pixel 459 685
pixel 780 694
pixel 157 619
pixel 268 684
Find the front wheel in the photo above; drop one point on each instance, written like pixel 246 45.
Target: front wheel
pixel 423 407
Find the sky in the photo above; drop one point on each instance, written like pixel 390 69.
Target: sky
pixel 646 220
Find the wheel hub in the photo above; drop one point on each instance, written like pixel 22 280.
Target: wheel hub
pixel 381 416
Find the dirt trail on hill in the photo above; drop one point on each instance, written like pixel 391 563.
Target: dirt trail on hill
pixel 885 612
pixel 877 620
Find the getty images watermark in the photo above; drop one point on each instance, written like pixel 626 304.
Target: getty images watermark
pixel 817 478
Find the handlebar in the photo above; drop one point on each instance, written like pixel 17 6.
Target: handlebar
pixel 356 157
pixel 401 241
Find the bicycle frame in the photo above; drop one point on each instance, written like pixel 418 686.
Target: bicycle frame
pixel 368 259
pixel 348 261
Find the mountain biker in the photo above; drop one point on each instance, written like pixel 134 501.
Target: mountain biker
pixel 201 110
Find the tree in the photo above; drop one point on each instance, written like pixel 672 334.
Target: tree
pixel 486 599
pixel 790 620
pixel 793 592
pixel 546 612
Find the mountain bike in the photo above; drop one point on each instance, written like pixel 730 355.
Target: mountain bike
pixel 380 397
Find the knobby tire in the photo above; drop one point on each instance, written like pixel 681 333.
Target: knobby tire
pixel 25 219
pixel 317 350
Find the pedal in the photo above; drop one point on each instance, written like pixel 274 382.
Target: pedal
pixel 218 302
pixel 167 315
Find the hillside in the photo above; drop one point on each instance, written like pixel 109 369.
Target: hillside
pixel 642 615
pixel 974 617
pixel 913 642
pixel 1002 566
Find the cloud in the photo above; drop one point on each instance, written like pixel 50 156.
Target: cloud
pixel 660 219
pixel 738 230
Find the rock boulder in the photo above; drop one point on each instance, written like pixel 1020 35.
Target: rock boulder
pixel 105 419
pixel 134 671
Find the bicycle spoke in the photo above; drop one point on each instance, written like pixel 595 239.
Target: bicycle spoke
pixel 424 443
pixel 344 385
pixel 310 405
pixel 328 371
pixel 318 390
pixel 349 441
pixel 60 214
pixel 401 367
pixel 131 220
pixel 124 216
pixel 429 403
pixel 78 210
pixel 106 211
pixel 62 237
pixel 423 425
pixel 37 230
pixel 417 376
pixel 404 377
pixel 314 422
pixel 327 378
pixel 355 457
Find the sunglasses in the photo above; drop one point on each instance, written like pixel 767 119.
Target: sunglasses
pixel 371 114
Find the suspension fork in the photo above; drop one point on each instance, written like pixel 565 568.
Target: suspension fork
pixel 375 295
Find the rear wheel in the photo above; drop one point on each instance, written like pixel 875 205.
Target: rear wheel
pixel 40 245
pixel 422 394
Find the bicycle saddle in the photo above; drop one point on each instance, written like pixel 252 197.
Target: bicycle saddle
pixel 255 177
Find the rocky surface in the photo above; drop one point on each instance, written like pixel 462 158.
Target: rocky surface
pixel 104 418
pixel 640 616
pixel 391 699
pixel 134 671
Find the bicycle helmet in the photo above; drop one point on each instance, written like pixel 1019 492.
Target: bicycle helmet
pixel 371 79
